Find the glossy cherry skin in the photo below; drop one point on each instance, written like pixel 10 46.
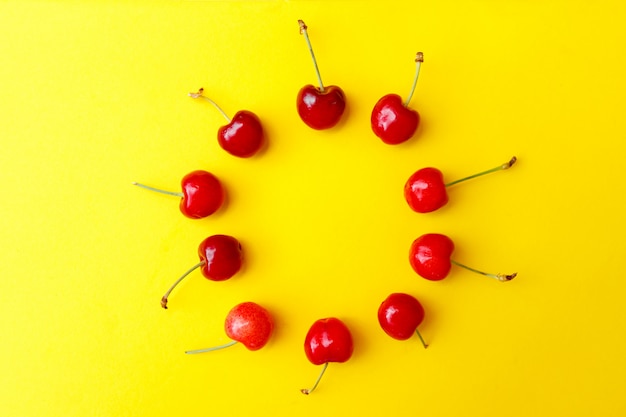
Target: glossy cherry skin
pixel 203 194
pixel 399 315
pixel 321 110
pixel 430 256
pixel 249 324
pixel 425 190
pixel 328 340
pixel 243 136
pixel 392 121
pixel 222 257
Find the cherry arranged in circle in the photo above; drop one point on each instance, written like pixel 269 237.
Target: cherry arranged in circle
pixel 328 340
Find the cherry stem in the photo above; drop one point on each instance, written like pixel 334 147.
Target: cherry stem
pixel 307 391
pixel 199 94
pixel 158 190
pixel 504 166
pixel 499 277
pixel 419 58
pixel 303 28
pixel 211 349
pixel 169 291
pixel 421 338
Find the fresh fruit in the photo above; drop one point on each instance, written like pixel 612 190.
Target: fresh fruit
pixel 220 258
pixel 425 190
pixel 247 323
pixel 319 107
pixel 430 258
pixel 202 194
pixel 243 135
pixel 394 121
pixel 399 315
pixel 328 340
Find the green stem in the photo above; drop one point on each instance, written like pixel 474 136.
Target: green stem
pixel 199 94
pixel 499 277
pixel 158 190
pixel 211 349
pixel 421 338
pixel 306 391
pixel 168 292
pixel 303 28
pixel 419 58
pixel 504 166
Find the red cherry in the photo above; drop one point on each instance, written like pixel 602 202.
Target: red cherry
pixel 242 136
pixel 202 194
pixel 250 324
pixel 328 340
pixel 220 258
pixel 425 190
pixel 247 323
pixel 392 120
pixel 399 315
pixel 319 107
pixel 429 257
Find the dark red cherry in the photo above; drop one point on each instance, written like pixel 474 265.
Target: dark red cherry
pixel 429 256
pixel 202 194
pixel 328 340
pixel 392 120
pixel 319 107
pixel 220 258
pixel 243 136
pixel 425 190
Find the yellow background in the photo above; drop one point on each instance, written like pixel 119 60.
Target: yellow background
pixel 93 97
